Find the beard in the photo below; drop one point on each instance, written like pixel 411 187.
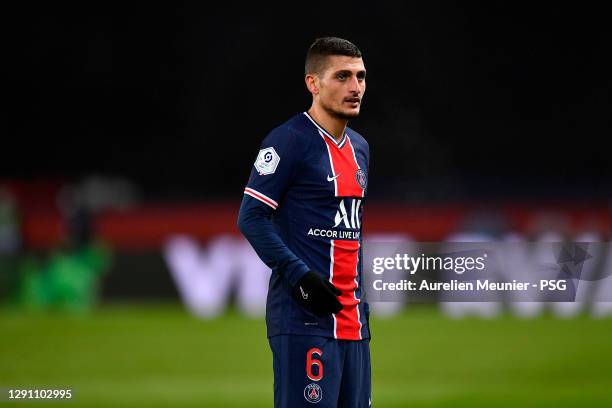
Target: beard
pixel 338 114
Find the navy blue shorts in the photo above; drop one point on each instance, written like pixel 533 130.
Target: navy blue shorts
pixel 317 371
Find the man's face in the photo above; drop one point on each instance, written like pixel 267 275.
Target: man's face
pixel 341 86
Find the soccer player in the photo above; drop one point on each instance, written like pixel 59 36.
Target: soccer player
pixel 302 213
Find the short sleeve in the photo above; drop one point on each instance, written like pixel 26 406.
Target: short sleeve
pixel 274 168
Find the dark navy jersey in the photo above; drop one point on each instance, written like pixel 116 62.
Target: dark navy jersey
pixel 302 211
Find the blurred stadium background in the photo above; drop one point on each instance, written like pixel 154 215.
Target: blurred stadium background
pixel 131 132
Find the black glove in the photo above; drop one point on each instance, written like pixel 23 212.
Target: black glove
pixel 317 295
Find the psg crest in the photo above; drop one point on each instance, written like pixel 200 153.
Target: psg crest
pixel 362 179
pixel 313 393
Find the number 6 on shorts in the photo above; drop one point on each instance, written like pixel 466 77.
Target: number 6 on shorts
pixel 310 362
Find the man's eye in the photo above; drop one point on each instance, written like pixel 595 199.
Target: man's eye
pixel 341 77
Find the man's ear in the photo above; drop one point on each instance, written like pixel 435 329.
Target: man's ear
pixel 312 83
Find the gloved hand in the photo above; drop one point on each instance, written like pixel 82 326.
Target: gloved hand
pixel 317 295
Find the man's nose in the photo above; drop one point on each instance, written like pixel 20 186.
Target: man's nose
pixel 354 85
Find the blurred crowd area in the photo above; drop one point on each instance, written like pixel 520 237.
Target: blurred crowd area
pixel 68 246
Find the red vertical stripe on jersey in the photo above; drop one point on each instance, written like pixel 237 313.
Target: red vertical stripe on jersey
pixel 345 257
pixel 345 167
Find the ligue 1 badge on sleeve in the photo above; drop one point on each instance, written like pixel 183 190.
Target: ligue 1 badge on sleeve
pixel 266 161
pixel 313 393
pixel 362 179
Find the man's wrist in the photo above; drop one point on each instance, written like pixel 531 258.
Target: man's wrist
pixel 295 274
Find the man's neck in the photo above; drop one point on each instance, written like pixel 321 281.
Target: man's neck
pixel 333 125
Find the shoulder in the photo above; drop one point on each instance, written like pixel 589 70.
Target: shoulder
pixel 357 139
pixel 292 132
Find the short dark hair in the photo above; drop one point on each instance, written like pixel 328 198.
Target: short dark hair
pixel 322 48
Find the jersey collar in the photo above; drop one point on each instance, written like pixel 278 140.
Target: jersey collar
pixel 326 133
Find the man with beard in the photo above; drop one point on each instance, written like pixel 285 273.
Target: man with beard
pixel 302 213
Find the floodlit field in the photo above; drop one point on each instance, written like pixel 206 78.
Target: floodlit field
pixel 158 356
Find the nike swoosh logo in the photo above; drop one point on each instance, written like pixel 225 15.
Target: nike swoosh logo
pixel 332 178
pixel 304 294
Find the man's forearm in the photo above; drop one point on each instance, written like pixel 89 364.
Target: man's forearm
pixel 255 224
